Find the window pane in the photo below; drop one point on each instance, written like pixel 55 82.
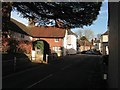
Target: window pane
pixel 57 39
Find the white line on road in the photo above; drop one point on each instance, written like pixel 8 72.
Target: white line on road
pixel 66 67
pixel 40 81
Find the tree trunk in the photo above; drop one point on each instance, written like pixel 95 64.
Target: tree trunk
pixel 6 13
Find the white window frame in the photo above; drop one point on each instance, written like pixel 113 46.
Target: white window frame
pixel 56 39
pixel 57 48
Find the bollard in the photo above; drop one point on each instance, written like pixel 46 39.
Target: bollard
pixel 105 76
pixel 14 64
pixel 46 59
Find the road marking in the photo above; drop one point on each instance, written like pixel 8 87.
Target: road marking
pixel 66 67
pixel 40 81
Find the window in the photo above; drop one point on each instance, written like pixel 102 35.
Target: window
pixel 57 48
pixel 57 40
pixel 95 44
pixel 22 36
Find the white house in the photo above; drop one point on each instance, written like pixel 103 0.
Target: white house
pixel 97 44
pixel 19 31
pixel 65 43
pixel 16 39
pixel 71 43
pixel 104 43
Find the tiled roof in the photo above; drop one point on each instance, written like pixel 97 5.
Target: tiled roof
pixel 96 41
pixel 18 27
pixel 47 32
pixel 84 42
pixel 106 33
pixel 71 33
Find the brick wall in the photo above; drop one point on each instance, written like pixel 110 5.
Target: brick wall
pixel 53 43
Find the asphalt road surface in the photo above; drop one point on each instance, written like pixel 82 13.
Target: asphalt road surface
pixel 73 71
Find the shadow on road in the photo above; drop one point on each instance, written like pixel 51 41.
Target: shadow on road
pixel 15 62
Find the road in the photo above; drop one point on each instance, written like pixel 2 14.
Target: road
pixel 74 71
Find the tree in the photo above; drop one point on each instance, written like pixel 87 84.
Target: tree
pixel 6 10
pixel 99 36
pixel 79 33
pixel 40 45
pixel 65 14
pixel 83 38
pixel 89 34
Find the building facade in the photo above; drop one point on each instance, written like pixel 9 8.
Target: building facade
pixel 104 43
pixel 97 44
pixel 84 44
pixel 16 39
pixel 55 37
pixel 71 43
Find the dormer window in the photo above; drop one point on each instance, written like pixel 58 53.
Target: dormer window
pixel 56 39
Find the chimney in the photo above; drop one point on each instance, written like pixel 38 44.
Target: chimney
pixel 95 39
pixel 92 41
pixel 31 22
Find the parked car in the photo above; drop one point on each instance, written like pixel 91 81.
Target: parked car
pixel 89 52
pixel 93 52
pixel 83 52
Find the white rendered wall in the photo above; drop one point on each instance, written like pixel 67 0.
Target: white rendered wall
pixel 72 44
pixel 65 43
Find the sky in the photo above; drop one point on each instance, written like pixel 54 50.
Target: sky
pixel 99 26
